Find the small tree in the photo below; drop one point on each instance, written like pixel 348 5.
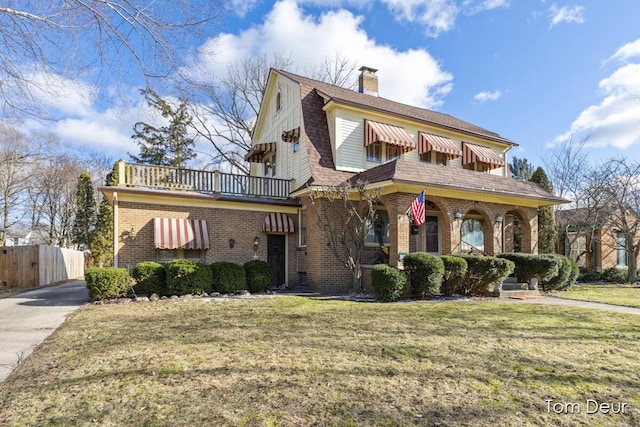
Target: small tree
pixel 85 220
pixel 168 145
pixel 521 168
pixel 546 224
pixel 345 215
pixel 102 242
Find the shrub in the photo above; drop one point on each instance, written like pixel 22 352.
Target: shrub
pixel 186 276
pixel 528 266
pixel 589 276
pixel 425 274
pixel 615 275
pixel 565 276
pixel 258 275
pixel 228 277
pixel 484 274
pixel 389 283
pixel 150 278
pixel 455 269
pixel 107 282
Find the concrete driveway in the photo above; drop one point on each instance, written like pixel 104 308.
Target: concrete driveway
pixel 28 318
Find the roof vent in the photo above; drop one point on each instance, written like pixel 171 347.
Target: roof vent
pixel 368 81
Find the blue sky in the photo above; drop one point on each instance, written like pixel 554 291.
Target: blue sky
pixel 534 71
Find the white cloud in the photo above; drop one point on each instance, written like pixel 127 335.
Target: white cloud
pixel 485 96
pixel 412 76
pixel 614 121
pixel 566 14
pixel 437 16
pixel 626 52
pixel 472 7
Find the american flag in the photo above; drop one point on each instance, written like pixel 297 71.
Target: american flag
pixel 417 209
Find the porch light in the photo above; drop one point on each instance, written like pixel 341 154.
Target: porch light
pixel 232 243
pixel 457 214
pixel 256 240
pixel 499 219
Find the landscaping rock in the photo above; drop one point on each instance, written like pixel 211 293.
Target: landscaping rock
pixel 154 297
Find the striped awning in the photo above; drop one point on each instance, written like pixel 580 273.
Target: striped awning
pixel 180 233
pixel 382 132
pixel 440 144
pixel 278 223
pixel 291 135
pixel 472 153
pixel 257 152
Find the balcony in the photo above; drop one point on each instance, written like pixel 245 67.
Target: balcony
pixel 211 182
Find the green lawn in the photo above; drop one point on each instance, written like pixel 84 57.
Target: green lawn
pixel 627 295
pixel 292 361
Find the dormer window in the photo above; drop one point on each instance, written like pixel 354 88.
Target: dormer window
pixel 437 149
pixel 374 152
pixel 479 158
pixel 396 141
pixel 278 101
pixel 393 152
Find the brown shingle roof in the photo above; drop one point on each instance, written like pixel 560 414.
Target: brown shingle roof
pixel 430 175
pixel 377 103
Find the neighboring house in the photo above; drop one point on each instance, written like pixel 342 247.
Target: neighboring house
pixel 595 245
pixel 309 135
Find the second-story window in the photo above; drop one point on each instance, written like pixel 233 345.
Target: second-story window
pixel 435 157
pixel 374 152
pixel 273 164
pixel 393 152
pixel 278 101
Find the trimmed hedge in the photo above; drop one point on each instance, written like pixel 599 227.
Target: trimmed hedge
pixel 528 266
pixel 455 270
pixel 615 275
pixel 228 277
pixel 186 276
pixel 389 283
pixel 484 274
pixel 258 275
pixel 107 282
pixel 150 278
pixel 425 274
pixel 567 274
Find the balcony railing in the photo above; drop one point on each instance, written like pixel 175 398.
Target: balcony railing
pixel 170 178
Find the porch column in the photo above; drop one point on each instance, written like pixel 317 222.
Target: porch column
pixel 397 204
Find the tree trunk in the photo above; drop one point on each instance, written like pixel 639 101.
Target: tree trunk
pixel 357 278
pixel 633 264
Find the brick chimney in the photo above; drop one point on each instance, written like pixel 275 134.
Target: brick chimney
pixel 368 81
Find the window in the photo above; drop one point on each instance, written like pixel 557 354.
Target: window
pixel 273 164
pixel 267 165
pixel 374 152
pixel 166 255
pixel 430 156
pixel 296 145
pixel 393 152
pixel 477 166
pixel 302 227
pixel 621 250
pixel 472 234
pixel 378 232
pixel 278 101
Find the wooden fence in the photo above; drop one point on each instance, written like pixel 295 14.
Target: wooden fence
pixel 38 265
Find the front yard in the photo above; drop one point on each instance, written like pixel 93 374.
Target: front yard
pixel 291 361
pixel 627 295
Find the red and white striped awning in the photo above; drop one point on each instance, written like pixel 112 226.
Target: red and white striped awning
pixel 440 144
pixel 382 132
pixel 291 135
pixel 257 152
pixel 278 223
pixel 180 233
pixel 472 153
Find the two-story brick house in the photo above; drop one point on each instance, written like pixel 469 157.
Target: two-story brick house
pixel 311 134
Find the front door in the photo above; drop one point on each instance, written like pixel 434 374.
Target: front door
pixel 276 258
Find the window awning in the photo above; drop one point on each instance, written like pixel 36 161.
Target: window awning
pixel 291 135
pixel 440 144
pixel 472 153
pixel 180 233
pixel 257 152
pixel 382 132
pixel 278 223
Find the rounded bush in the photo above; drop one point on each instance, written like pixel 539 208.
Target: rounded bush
pixel 389 283
pixel 258 275
pixel 527 266
pixel 589 277
pixel 228 277
pixel 425 274
pixel 566 276
pixel 615 275
pixel 188 277
pixel 455 269
pixel 484 274
pixel 150 278
pixel 107 282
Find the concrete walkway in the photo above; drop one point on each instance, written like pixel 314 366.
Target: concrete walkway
pixel 28 318
pixel 550 300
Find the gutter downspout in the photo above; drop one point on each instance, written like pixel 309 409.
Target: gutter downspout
pixel 115 229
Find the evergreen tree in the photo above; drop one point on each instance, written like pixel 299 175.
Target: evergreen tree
pixel 521 168
pixel 85 219
pixel 546 224
pixel 168 145
pixel 102 239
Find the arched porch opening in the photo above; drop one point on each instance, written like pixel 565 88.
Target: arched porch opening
pixel 517 232
pixel 476 233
